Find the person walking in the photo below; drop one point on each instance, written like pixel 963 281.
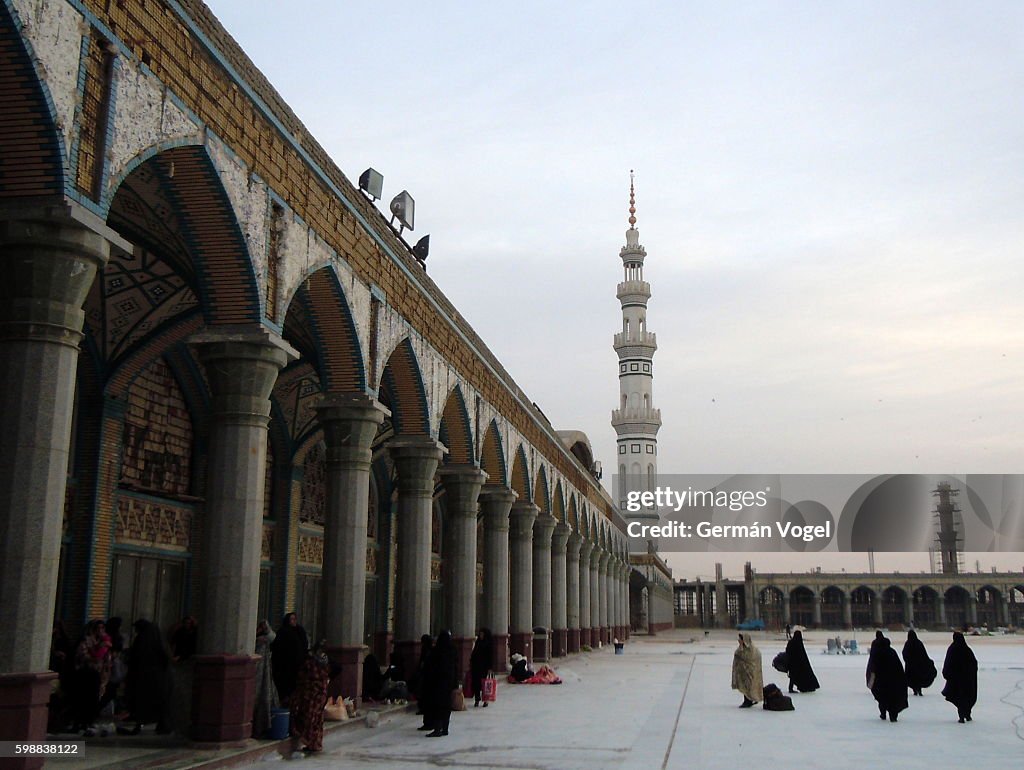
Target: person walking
pixel 960 670
pixel 801 675
pixel 288 651
pixel 920 668
pixel 886 679
pixel 440 677
pixel 746 671
pixel 480 663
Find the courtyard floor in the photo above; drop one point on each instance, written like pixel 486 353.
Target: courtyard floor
pixel 667 703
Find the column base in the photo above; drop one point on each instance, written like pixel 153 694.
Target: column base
pixel 223 696
pixel 463 649
pixel 573 644
pixel 559 643
pixel 23 713
pixel 590 637
pixel 349 683
pixel 541 647
pixel 499 645
pixel 521 642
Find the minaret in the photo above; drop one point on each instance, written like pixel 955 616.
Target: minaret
pixel 636 421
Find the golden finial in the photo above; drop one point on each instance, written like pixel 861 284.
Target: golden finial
pixel 632 203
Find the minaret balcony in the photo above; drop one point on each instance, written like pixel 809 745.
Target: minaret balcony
pixel 636 419
pixel 633 292
pixel 636 344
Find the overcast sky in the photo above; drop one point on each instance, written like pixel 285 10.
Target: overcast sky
pixel 830 196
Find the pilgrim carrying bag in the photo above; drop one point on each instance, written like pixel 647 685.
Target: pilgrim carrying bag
pixel 489 685
pixel 781 663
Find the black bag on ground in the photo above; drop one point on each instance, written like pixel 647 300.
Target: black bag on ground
pixel 781 663
pixel 774 700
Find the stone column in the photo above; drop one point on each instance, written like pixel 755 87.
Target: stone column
pixel 572 592
pixel 876 609
pixel 816 610
pixel 941 609
pixel 909 608
pixel 586 622
pixel 241 367
pixel 604 596
pixel 620 603
pixel 786 617
pixel 48 264
pixel 462 489
pixel 611 582
pixel 972 609
pixel 559 600
pixel 628 609
pixel 495 503
pixel 595 596
pixel 350 423
pixel 847 612
pixel 543 528
pixel 521 521
pixel 415 459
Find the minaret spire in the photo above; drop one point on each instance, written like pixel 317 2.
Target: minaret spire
pixel 632 203
pixel 636 421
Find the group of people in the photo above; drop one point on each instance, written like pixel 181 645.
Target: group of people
pixel 886 676
pixel 98 671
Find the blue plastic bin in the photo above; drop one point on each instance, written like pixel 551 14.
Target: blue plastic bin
pixel 280 721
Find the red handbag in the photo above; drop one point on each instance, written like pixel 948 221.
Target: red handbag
pixel 490 688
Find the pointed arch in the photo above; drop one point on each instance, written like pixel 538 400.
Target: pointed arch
pixel 558 503
pixel 541 492
pixel 183 193
pixel 27 125
pixel 402 391
pixel 455 431
pixel 520 476
pixel 492 457
pixel 334 328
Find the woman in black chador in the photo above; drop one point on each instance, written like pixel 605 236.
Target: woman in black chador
pixel 440 674
pixel 961 674
pixel 886 679
pixel 801 675
pixel 480 663
pixel 148 662
pixel 920 668
pixel 287 653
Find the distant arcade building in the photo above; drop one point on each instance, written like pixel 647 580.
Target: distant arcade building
pixel 846 600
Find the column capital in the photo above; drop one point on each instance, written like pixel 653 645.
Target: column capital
pixel 49 256
pixel 595 557
pixel 495 503
pixel 242 366
pixel 462 485
pixel 586 548
pixel 573 545
pixel 560 538
pixel 350 423
pixel 603 564
pixel 521 519
pixel 543 528
pixel 416 458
